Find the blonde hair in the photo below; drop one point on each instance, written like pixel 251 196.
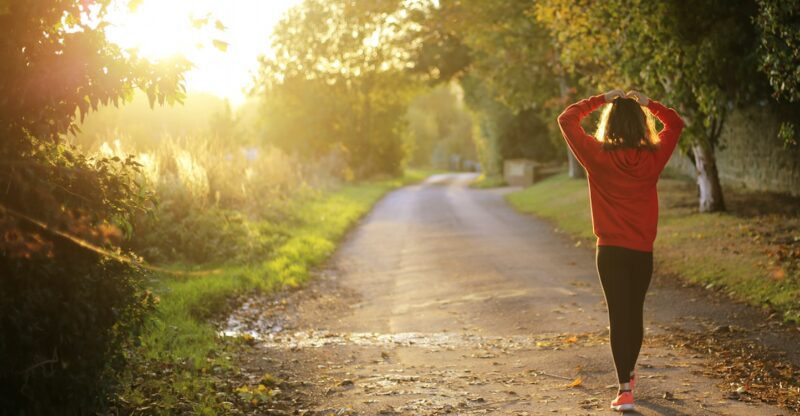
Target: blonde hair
pixel 626 124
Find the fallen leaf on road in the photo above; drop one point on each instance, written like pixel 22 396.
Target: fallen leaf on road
pixel 575 383
pixel 485 355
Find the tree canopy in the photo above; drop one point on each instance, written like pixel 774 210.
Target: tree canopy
pixel 779 25
pixel 345 87
pixel 55 60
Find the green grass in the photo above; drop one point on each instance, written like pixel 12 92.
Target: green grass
pixel 716 250
pixel 559 199
pixel 485 182
pixel 181 337
pixel 414 175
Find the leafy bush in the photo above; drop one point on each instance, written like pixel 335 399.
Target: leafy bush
pixel 216 202
pixel 66 309
pixel 66 314
pixel 64 328
pixel 780 46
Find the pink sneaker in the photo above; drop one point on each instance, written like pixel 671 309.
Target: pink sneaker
pixel 623 402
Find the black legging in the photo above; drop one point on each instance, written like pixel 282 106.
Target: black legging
pixel 625 276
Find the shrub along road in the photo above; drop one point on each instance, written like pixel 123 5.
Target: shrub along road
pixel 446 300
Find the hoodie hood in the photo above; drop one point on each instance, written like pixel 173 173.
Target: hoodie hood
pixel 636 163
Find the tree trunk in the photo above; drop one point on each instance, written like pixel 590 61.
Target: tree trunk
pixel 708 185
pixel 575 169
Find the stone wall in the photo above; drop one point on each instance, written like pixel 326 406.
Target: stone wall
pixel 751 155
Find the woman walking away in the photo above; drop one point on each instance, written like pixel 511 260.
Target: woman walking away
pixel 623 163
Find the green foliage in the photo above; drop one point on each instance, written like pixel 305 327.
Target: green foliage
pixel 211 197
pixel 695 58
pixel 197 236
pixel 701 59
pixel 441 55
pixel 511 52
pixel 778 23
pixel 788 133
pixel 64 329
pixel 525 135
pixel 440 126
pixel 341 90
pixel 66 313
pixel 67 191
pixel 485 145
pixel 509 134
pixel 559 199
pixel 56 61
pixel 512 82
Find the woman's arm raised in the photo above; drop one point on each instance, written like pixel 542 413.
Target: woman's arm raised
pixel 673 125
pixel 582 144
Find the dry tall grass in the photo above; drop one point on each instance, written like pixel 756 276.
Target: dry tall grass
pixel 214 200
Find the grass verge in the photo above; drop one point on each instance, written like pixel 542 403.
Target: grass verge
pixel 485 182
pixel 753 254
pixel 182 364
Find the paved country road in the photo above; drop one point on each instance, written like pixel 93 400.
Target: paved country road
pixel 444 300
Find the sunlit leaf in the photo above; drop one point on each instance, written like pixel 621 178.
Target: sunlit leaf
pixel 201 22
pixel 221 45
pixel 134 4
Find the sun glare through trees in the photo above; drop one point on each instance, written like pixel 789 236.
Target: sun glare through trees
pixel 222 39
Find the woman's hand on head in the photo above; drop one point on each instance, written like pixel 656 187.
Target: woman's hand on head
pixel 611 95
pixel 639 97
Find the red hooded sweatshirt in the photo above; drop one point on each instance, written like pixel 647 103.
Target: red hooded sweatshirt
pixel 622 182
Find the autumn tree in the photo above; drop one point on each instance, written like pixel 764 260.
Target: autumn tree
pixel 700 58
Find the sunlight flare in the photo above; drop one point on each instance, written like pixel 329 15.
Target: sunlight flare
pixel 222 39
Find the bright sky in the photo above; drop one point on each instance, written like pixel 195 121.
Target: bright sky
pixel 161 28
